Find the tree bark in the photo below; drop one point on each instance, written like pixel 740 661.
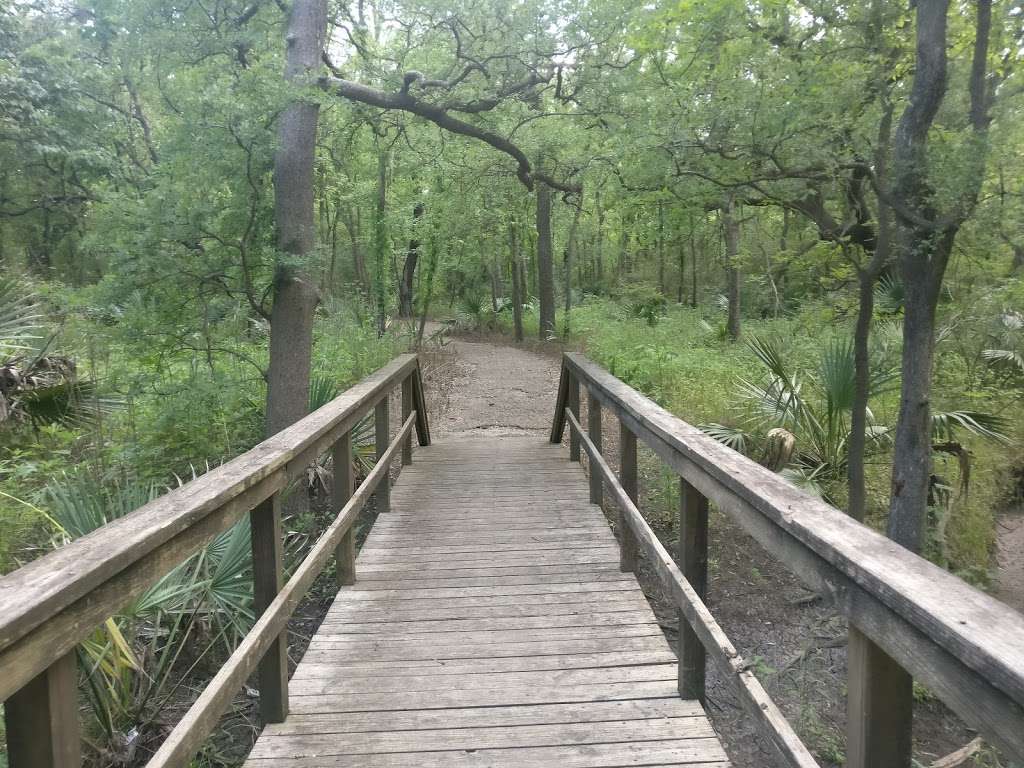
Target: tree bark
pixel 731 226
pixel 599 245
pixel 517 282
pixel 570 258
pixel 545 265
pixel 662 287
pixel 405 287
pixel 380 237
pixel 295 295
pixel 924 242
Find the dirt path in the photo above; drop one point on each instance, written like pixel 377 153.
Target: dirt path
pixel 1010 558
pixel 498 390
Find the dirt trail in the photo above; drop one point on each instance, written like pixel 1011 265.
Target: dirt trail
pixel 498 390
pixel 1010 556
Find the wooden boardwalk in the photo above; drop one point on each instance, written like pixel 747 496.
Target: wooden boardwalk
pixel 490 626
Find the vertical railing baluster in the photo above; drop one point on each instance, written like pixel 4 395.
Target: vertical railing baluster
pixel 573 405
pixel 594 432
pixel 268 578
pixel 382 437
pixel 693 562
pixel 880 702
pixel 341 492
pixel 629 480
pixel 407 384
pixel 41 719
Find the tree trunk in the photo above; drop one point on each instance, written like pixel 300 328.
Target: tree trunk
pixel 570 257
pixel 545 265
pixel 380 245
pixel 599 245
pixel 405 287
pixel 662 287
pixel 731 226
pixel 923 250
pixel 517 282
pixel 295 296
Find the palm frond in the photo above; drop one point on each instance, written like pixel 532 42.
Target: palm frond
pixel 733 437
pixel 986 425
pixel 322 389
pixel 19 318
pixel 1006 361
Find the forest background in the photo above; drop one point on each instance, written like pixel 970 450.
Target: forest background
pixel 796 223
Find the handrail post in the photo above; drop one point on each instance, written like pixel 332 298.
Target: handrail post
pixel 573 405
pixel 594 432
pixel 407 383
pixel 693 562
pixel 341 492
pixel 880 703
pixel 42 719
pixel 268 578
pixel 629 480
pixel 382 432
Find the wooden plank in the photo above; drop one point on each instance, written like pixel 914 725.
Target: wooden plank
pixel 880 707
pixel 581 619
pixel 965 646
pixel 573 404
pixel 706 753
pixel 636 710
pixel 341 492
pixel 326 639
pixel 268 578
pixel 630 483
pixel 594 430
pixel 339 663
pixel 412 652
pixel 372 701
pixel 339 682
pixel 500 737
pixel 693 562
pixel 41 719
pixel 407 408
pixel 382 436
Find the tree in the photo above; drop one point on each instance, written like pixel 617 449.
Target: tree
pixel 924 242
pixel 295 293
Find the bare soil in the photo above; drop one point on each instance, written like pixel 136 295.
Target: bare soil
pixel 1010 559
pixel 793 639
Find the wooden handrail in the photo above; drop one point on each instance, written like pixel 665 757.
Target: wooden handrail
pixel 202 717
pixel 52 604
pixel 734 668
pixel 965 646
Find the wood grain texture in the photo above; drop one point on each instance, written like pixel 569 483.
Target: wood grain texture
pixel 491 626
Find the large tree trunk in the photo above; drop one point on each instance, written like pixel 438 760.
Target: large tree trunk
pixel 923 249
pixel 731 226
pixel 295 295
pixel 570 258
pixel 545 265
pixel 517 282
pixel 405 287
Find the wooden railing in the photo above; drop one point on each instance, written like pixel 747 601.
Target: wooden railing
pixel 907 618
pixel 52 604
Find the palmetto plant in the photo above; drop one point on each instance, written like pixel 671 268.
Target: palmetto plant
pixel 138 660
pixel 37 387
pixel 815 406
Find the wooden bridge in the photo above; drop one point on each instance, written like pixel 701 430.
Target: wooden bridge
pixel 492 618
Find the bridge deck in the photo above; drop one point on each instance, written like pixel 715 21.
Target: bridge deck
pixel 490 627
